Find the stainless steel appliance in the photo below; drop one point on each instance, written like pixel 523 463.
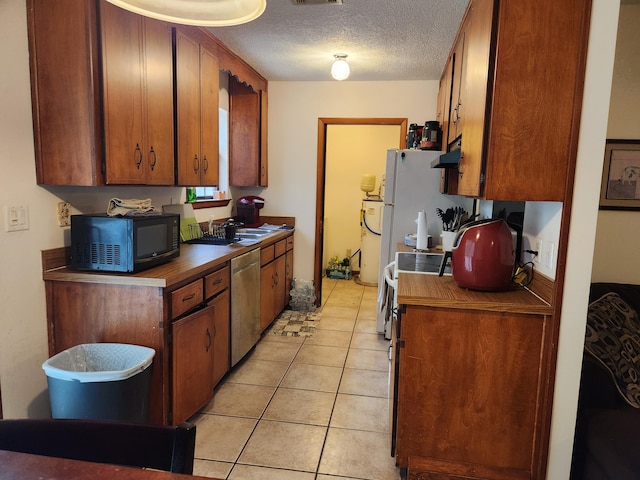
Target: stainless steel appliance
pixel 411 185
pixel 245 303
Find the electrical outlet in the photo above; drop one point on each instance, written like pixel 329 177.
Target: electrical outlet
pixel 64 214
pixel 548 254
pixel 538 248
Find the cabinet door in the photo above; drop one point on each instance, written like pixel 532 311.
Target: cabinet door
pixel 264 145
pixel 188 109
pixel 474 92
pixel 280 285
pixel 193 361
pixel 444 103
pixel 65 84
pixel 469 389
pixel 123 95
pixel 221 339
pixel 209 82
pixel 244 135
pixel 267 293
pixel 158 61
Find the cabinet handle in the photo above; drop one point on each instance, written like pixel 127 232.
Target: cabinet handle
pixel 154 160
pixel 273 281
pixel 196 163
pixel 190 297
pixel 208 340
pixel 139 155
pixel 277 279
pixel 218 281
pixel 205 164
pixel 460 170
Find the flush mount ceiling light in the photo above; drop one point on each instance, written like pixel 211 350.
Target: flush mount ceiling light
pixel 205 13
pixel 340 68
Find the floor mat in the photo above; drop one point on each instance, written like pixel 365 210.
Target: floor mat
pixel 294 323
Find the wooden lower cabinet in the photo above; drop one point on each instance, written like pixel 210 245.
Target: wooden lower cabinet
pixel 191 341
pixel 200 356
pixel 469 395
pixel 275 280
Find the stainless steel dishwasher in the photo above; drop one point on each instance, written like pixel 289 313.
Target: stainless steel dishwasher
pixel 245 303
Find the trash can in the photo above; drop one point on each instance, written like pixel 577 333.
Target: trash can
pixel 103 381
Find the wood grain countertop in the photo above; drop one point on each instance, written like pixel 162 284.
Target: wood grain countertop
pixel 434 291
pixel 194 260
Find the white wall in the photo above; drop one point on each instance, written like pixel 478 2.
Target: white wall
pixel 617 233
pixel 294 109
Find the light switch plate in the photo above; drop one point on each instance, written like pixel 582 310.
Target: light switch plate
pixel 16 217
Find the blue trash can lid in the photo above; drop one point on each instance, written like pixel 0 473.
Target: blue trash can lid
pixel 99 362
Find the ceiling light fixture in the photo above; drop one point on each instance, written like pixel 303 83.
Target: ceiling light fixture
pixel 340 68
pixel 216 13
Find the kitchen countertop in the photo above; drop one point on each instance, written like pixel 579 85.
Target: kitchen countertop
pixel 194 260
pixel 434 291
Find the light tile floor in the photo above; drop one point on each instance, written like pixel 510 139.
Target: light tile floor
pixel 306 408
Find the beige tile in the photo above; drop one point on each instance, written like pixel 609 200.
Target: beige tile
pixel 370 341
pixel 321 355
pixel 300 406
pixel 250 472
pixel 366 325
pixel 275 351
pixel 340 312
pixel 336 323
pixel 267 337
pixel 368 359
pixel 333 477
pixel 212 469
pixel 368 312
pixel 332 338
pixel 222 438
pixel 357 412
pixel 320 378
pixel 240 400
pixel 364 382
pixel 343 299
pixel 358 454
pixel 258 372
pixel 284 445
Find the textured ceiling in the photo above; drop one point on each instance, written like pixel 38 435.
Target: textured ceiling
pixel 384 39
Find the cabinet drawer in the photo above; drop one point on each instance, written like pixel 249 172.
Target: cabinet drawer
pixel 185 298
pixel 267 254
pixel 281 247
pixel 289 243
pixel 216 282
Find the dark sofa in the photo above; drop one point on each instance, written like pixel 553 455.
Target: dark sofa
pixel 607 442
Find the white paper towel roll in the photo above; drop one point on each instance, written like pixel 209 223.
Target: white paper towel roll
pixel 422 243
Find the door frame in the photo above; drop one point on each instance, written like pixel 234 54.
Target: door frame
pixel 323 123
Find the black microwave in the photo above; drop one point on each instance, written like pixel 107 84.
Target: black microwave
pixel 123 244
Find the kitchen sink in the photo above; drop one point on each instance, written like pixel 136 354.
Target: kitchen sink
pixel 253 232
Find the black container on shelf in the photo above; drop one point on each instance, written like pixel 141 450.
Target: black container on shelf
pixel 431 136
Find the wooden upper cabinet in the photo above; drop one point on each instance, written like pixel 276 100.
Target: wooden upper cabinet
pixel 102 89
pixel 197 89
pixel 138 98
pixel 472 107
pixel 521 92
pixel 65 91
pixel 247 135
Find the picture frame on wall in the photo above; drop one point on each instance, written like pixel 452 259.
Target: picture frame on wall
pixel 621 176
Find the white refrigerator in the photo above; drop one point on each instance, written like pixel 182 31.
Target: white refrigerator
pixel 411 185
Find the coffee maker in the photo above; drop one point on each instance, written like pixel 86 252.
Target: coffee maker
pixel 248 210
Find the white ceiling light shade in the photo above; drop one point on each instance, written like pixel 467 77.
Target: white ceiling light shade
pixel 206 13
pixel 340 69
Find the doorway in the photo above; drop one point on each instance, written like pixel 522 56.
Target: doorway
pixel 343 142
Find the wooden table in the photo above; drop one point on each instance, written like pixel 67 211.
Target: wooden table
pixel 23 466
